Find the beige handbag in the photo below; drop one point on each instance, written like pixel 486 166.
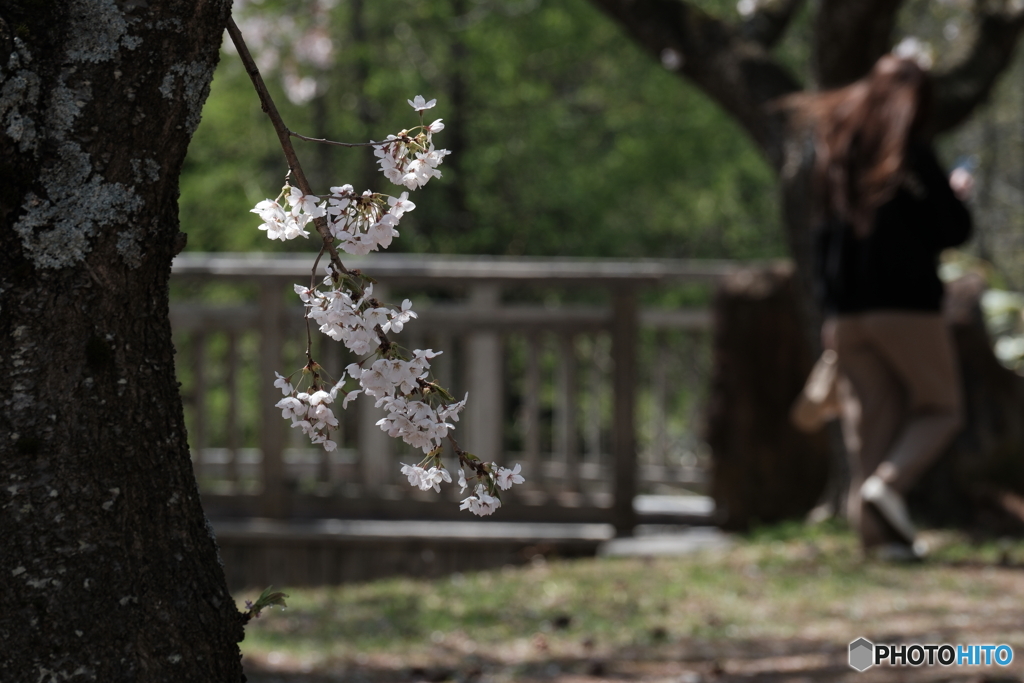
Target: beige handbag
pixel 819 401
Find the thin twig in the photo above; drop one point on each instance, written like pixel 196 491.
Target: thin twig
pixel 455 447
pixel 283 136
pixel 325 141
pixel 312 276
pixel 479 466
pixel 312 286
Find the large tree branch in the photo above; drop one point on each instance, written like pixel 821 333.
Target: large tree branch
pixel 736 72
pixel 965 86
pixel 849 37
pixel 768 23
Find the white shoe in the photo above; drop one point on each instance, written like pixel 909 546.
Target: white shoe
pixel 896 553
pixel 900 552
pixel 891 505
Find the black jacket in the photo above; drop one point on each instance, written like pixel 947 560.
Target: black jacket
pixel 896 266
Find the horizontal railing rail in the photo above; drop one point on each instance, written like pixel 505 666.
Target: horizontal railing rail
pixel 555 387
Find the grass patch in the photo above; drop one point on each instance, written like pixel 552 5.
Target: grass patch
pixel 787 585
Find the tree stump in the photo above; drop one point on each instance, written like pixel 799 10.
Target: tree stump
pixel 763 469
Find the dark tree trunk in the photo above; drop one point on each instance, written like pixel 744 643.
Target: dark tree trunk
pixel 109 569
pixel 763 469
pixel 979 482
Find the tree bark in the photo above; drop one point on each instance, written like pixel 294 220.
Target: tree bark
pixel 109 568
pixel 763 469
pixel 978 483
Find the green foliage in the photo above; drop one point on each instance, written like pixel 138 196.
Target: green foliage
pixel 566 138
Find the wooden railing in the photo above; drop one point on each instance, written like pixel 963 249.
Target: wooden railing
pixel 556 387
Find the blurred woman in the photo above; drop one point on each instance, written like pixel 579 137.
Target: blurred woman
pixel 885 212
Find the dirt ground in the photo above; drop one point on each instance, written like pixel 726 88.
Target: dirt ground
pixel 959 602
pixel 764 662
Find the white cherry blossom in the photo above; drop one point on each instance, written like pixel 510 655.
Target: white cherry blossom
pixel 433 478
pixel 400 317
pixel 280 224
pixel 414 473
pixel 283 384
pixel 415 422
pixel 412 166
pixel 451 411
pixel 399 205
pixel 419 104
pixel 481 503
pixel 304 203
pixel 506 477
pixel 291 407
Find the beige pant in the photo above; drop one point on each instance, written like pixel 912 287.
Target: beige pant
pixel 901 403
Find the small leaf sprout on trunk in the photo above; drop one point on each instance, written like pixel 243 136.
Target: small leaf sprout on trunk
pixel 268 598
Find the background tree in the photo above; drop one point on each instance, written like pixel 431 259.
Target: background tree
pixel 573 141
pixel 566 140
pixel 109 568
pixel 732 61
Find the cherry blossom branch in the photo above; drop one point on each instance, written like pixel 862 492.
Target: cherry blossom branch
pixel 418 411
pixel 283 134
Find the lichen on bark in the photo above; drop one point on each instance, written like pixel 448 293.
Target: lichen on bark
pixel 107 571
pixel 55 229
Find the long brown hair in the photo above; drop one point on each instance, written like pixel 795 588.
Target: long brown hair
pixel 861 136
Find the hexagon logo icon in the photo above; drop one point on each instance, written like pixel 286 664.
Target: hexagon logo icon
pixel 862 653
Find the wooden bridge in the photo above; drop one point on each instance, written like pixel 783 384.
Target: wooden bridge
pixel 569 373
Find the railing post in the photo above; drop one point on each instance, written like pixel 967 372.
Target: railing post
pixel 625 328
pixel 274 503
pixel 531 411
pixel 567 412
pixel 485 382
pixel 658 455
pixel 232 417
pixel 596 386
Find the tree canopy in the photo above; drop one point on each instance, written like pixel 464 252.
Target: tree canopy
pixel 565 140
pixel 571 140
pixel 733 60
